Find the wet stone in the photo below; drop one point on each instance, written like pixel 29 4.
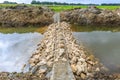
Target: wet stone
pixel 57 45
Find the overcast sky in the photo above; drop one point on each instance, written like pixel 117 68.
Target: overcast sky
pixel 69 1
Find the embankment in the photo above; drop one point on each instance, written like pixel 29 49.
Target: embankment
pixel 92 16
pixel 23 16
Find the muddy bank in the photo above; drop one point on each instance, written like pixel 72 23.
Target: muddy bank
pixel 92 16
pixel 22 16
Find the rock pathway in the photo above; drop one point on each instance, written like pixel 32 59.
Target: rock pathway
pixel 57 51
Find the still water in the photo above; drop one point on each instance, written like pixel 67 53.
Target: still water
pixel 104 45
pixel 15 49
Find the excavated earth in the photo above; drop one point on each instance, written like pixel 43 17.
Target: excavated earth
pixel 23 16
pixel 92 16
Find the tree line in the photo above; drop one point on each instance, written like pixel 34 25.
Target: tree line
pixel 111 4
pixel 8 2
pixel 57 3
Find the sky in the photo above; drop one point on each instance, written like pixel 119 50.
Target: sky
pixel 68 1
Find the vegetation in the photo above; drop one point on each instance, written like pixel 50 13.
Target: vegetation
pixel 64 7
pixel 109 7
pixel 7 5
pixel 111 4
pixel 58 8
pixel 57 3
pixel 7 2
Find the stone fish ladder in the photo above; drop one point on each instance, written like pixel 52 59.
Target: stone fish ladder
pixel 59 57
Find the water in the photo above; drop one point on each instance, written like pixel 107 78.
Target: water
pixel 15 50
pixel 105 45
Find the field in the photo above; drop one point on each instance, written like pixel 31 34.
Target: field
pixel 62 8
pixel 59 8
pixel 6 5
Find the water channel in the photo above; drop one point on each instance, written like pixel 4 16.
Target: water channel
pixel 16 48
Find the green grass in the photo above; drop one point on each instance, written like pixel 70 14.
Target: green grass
pixel 108 7
pixel 62 8
pixel 7 5
pixel 59 8
pixel 12 5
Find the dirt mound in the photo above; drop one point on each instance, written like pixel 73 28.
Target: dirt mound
pixel 22 15
pixel 25 16
pixel 92 16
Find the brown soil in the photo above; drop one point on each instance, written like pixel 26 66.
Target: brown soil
pixel 23 16
pixel 20 16
pixel 92 16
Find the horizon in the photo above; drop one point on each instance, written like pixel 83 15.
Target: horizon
pixel 67 1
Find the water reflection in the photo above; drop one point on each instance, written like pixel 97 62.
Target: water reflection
pixel 105 46
pixel 15 49
pixel 77 28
